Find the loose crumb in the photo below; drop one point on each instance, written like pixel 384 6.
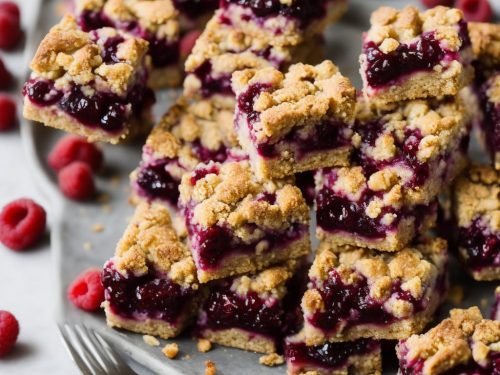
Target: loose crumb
pixel 210 368
pixel 97 228
pixel 204 345
pixel 186 357
pixel 171 350
pixel 151 340
pixel 87 246
pixel 271 359
pixel 456 294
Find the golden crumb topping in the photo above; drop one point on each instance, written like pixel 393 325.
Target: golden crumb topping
pixel 171 350
pixel 390 27
pixel 232 195
pixel 304 96
pixel 477 195
pixel 485 38
pixel 271 359
pixel 151 239
pixel 68 55
pixel 493 92
pixel 464 336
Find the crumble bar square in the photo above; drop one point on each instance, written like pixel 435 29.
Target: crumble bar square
pixel 150 284
pixel 360 357
pixel 249 312
pixel 411 55
pixel 476 207
pixel 294 122
pixel 361 293
pixel 237 223
pixel 465 343
pixel 92 84
pixel 354 207
pixel 422 144
pixel 188 134
pixel 485 39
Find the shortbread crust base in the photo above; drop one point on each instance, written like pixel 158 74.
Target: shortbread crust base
pixel 240 339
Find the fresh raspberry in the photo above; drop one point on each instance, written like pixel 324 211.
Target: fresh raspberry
pixel 188 41
pixel 10 8
pixel 87 292
pixel 9 330
pixel 5 77
pixel 76 181
pixel 22 224
pixel 475 10
pixel 7 112
pixel 435 3
pixel 73 148
pixel 10 28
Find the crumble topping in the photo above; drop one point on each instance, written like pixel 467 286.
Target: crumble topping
pixel 171 350
pixel 151 340
pixel 493 92
pixel 271 359
pixel 210 368
pixel 485 38
pixel 390 27
pixel 156 16
pixel 303 96
pixel 456 340
pixel 67 54
pixel 204 345
pixel 477 193
pixel 151 239
pixel 231 196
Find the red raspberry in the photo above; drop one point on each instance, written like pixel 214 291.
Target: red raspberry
pixel 22 224
pixel 5 76
pixel 73 148
pixel 188 41
pixel 87 292
pixel 7 112
pixel 9 330
pixel 76 181
pixel 10 28
pixel 435 3
pixel 10 8
pixel 475 10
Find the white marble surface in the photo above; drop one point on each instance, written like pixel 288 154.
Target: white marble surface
pixel 26 279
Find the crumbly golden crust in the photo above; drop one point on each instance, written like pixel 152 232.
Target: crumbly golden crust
pixel 271 360
pixel 240 339
pixel 485 38
pixel 68 55
pixel 477 194
pixel 151 239
pixel 304 96
pixel 463 337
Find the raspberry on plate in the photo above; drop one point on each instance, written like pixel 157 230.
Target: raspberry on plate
pixel 22 223
pixel 9 330
pixel 74 148
pixel 87 292
pixel 10 27
pixel 475 10
pixel 7 112
pixel 76 181
pixel 5 76
pixel 11 8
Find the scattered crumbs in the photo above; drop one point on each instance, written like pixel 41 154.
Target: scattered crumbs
pixel 186 357
pixel 87 246
pixel 115 180
pixel 171 350
pixel 103 198
pixel 210 368
pixel 204 345
pixel 97 228
pixel 456 294
pixel 271 359
pixel 484 302
pixel 106 208
pixel 151 340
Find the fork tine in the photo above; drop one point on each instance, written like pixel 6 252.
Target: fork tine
pixel 87 354
pixel 121 365
pixel 82 365
pixel 93 346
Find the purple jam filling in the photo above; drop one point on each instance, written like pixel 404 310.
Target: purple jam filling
pixel 205 155
pixel 305 11
pixel 200 173
pixel 305 182
pixel 330 355
pixel 225 309
pixel 196 8
pixel 211 85
pixel 422 55
pixel 110 49
pixel 156 183
pixel 348 305
pixel 482 246
pixel 150 296
pixel 491 122
pixel 416 367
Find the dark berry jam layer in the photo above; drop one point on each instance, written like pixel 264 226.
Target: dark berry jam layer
pixel 305 182
pixel 416 367
pixel 103 110
pixel 194 9
pixel 216 243
pixel 163 52
pixel 211 85
pixel 482 245
pixel 151 296
pixel 422 55
pixel 491 121
pixel 330 355
pixel 304 11
pixel 154 182
pixel 348 305
pixel 225 309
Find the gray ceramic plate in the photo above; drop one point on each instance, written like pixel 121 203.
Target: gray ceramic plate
pixel 73 222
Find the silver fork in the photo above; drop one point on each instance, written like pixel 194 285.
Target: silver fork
pixel 91 353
